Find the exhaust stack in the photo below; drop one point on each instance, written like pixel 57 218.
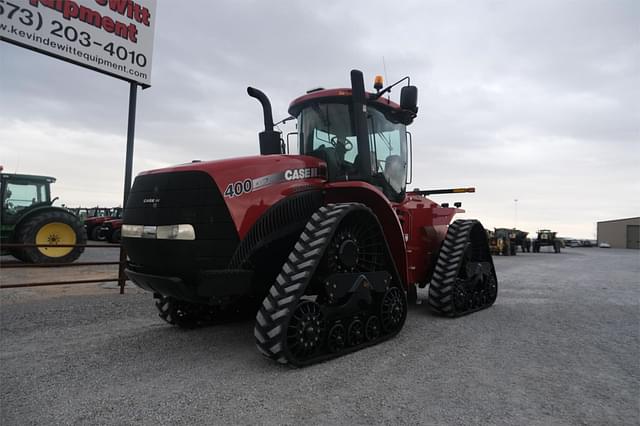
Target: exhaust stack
pixel 359 100
pixel 270 140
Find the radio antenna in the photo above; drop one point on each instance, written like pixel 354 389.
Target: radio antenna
pixel 384 67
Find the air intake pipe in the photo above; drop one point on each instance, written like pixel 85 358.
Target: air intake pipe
pixel 270 140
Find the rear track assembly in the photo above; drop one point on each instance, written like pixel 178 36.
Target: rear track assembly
pixel 464 279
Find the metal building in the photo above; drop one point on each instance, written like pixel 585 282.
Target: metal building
pixel 620 233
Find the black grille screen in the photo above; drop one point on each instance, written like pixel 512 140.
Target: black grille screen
pixel 190 197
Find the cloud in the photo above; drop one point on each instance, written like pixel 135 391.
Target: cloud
pixel 535 100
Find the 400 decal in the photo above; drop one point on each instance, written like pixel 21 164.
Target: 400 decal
pixel 235 189
pixel 238 188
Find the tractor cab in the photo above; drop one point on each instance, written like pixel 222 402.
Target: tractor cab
pixel 21 193
pixel 359 135
pixel 326 130
pixel 546 234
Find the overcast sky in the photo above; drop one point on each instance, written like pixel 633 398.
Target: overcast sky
pixel 537 101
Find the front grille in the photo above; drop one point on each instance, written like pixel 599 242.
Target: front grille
pixel 190 197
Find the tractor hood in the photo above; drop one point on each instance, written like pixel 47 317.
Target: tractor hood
pixel 250 185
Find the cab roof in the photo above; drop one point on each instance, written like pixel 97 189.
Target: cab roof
pixel 27 177
pixel 337 95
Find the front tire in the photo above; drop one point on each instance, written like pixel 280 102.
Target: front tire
pixel 94 234
pixel 115 236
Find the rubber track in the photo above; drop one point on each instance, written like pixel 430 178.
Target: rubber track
pixel 291 283
pixel 441 288
pixel 193 315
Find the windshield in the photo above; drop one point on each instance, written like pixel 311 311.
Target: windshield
pixel 326 131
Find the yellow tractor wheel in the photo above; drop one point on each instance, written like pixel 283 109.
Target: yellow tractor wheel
pixel 55 233
pixel 53 226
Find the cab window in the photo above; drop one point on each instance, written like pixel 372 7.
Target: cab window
pixel 19 195
pixel 326 132
pixel 387 141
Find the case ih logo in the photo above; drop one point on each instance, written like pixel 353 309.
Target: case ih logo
pixel 295 174
pixel 152 200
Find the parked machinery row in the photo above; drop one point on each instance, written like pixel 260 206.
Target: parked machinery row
pixel 505 241
pixel 100 223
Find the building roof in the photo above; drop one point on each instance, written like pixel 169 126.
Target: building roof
pixel 619 220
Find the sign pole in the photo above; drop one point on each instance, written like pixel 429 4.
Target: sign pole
pixel 133 92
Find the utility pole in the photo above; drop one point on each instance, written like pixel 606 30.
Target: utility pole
pixel 515 220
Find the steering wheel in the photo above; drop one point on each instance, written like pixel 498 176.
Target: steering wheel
pixel 347 145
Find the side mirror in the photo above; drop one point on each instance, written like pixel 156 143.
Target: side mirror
pixel 409 98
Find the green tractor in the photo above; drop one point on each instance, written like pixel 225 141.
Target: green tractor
pixel 547 238
pixel 28 217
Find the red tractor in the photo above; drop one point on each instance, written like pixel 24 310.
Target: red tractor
pixel 110 230
pixel 96 217
pixel 327 243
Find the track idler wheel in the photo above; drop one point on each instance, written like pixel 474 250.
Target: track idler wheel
pixel 372 328
pixel 305 330
pixel 393 309
pixel 464 279
pixel 336 338
pixel 355 333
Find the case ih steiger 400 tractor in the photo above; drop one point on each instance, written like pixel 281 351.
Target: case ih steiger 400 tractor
pixel 328 242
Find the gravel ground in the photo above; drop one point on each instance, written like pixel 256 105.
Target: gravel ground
pixel 561 346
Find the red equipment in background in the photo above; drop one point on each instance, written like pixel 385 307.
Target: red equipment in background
pixel 111 230
pixel 96 217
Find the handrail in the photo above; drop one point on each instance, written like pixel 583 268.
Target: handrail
pixel 121 278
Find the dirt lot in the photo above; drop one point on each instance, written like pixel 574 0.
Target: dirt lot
pixel 561 346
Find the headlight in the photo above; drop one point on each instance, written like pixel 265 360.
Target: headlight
pixel 162 232
pixel 176 232
pixel 131 231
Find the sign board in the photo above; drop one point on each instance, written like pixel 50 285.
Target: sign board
pixel 114 37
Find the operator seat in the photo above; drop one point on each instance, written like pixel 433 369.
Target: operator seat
pixel 391 180
pixel 328 155
pixel 394 172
